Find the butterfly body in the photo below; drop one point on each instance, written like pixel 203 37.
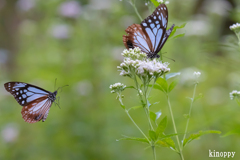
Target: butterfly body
pixel 151 34
pixel 36 101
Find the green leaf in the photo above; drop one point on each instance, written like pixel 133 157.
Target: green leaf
pixel 198 97
pixel 135 107
pixel 235 131
pixel 162 84
pixel 172 85
pixel 152 135
pixel 175 29
pixel 155 3
pixel 198 135
pixel 123 106
pixel 134 139
pixel 171 75
pixel 167 142
pixel 153 116
pixel 167 136
pixel 161 126
pixel 156 86
pixel 179 35
pixel 130 87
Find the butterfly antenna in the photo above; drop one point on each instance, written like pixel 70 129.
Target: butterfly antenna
pixel 161 54
pixel 62 87
pixel 55 84
pixel 169 58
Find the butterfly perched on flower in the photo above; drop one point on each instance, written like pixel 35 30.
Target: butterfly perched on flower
pixel 151 34
pixel 36 101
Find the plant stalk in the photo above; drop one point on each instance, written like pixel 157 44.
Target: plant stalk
pixel 174 126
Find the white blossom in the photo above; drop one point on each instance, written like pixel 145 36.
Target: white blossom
pixel 197 74
pixel 117 87
pixel 235 26
pixel 234 94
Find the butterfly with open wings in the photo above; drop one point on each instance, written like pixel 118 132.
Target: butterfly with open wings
pixel 151 34
pixel 36 101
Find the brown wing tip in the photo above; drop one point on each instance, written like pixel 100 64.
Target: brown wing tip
pixel 125 39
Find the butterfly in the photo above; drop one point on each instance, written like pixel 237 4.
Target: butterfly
pixel 151 34
pixel 36 101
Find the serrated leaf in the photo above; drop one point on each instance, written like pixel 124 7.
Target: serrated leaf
pixel 161 126
pixel 172 85
pixel 135 107
pixel 153 116
pixel 163 84
pixel 167 142
pixel 198 97
pixel 152 135
pixel 134 139
pixel 171 75
pixel 155 3
pixel 198 135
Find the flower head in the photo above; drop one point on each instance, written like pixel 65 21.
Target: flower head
pixel 234 94
pixel 136 63
pixel 236 29
pixel 235 26
pixel 197 74
pixel 117 87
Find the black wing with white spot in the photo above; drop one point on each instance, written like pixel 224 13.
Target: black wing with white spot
pixel 36 101
pixel 25 93
pixel 151 34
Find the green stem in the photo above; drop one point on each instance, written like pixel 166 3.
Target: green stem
pixel 137 126
pixel 174 126
pixel 135 9
pixel 154 153
pixel 120 100
pixel 189 114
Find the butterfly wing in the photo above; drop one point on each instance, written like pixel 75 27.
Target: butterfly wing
pixel 37 110
pixel 137 37
pixel 25 93
pixel 35 100
pixel 151 34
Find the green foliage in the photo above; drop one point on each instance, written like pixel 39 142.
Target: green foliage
pixel 198 135
pixel 156 4
pixel 161 126
pixel 175 29
pixel 172 85
pixel 162 85
pixel 134 139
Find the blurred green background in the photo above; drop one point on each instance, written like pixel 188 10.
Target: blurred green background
pixel 80 44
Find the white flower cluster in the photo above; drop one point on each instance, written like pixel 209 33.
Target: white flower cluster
pixel 235 26
pixel 135 53
pixel 161 1
pixel 152 68
pixel 197 74
pixel 234 94
pixel 136 62
pixel 117 87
